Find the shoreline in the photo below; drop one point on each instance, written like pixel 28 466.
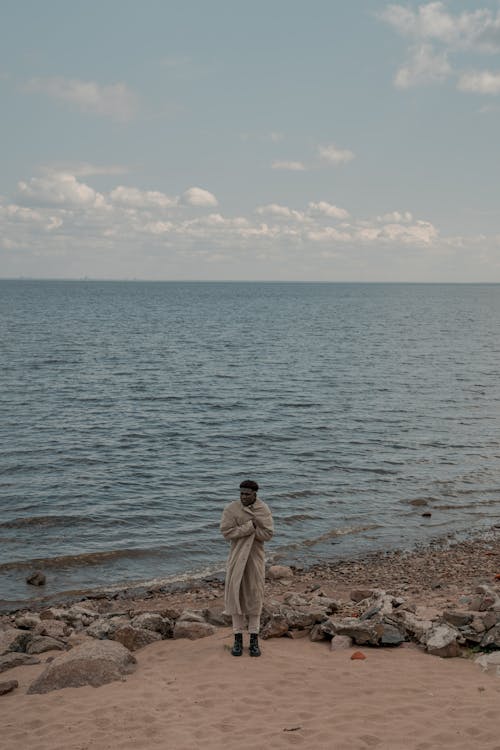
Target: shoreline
pixel 424 569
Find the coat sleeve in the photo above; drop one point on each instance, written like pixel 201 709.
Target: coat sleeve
pixel 265 529
pixel 231 530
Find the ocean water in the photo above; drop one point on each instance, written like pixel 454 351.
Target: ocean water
pixel 131 411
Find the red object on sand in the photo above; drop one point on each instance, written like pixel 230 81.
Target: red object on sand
pixel 358 655
pixel 497 576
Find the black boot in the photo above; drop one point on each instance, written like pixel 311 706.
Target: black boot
pixel 254 649
pixel 237 649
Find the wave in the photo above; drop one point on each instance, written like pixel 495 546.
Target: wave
pixel 20 523
pixel 331 534
pixel 84 559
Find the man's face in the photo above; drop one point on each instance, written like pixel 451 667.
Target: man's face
pixel 247 496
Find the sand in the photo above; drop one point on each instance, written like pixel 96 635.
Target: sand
pixel 193 694
pixel 187 695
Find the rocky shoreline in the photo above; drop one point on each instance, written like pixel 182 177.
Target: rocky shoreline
pixel 445 597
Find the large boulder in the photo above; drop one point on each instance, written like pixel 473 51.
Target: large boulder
pixel 154 622
pixel 457 618
pixel 192 615
pixel 52 628
pixel 361 632
pixel 279 573
pixel 93 663
pixel 192 630
pixel 107 627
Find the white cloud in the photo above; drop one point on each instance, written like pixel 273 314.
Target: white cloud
pixel 115 100
pixel 58 189
pixel 334 155
pixel 425 66
pixel 198 197
pixel 291 166
pixel 131 197
pixel 398 217
pixel 328 209
pixel 479 29
pixel 480 82
pixel 281 212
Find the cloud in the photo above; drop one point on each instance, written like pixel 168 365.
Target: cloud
pixel 58 189
pixel 479 29
pixel 327 209
pixel 115 100
pixel 435 35
pixel 291 166
pixel 198 197
pixel 397 217
pixel 131 197
pixel 425 66
pixel 280 212
pixel 480 82
pixel 334 155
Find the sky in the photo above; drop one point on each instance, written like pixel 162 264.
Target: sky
pixel 277 140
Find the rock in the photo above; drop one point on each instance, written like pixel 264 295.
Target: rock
pixel 413 625
pixel 456 618
pixel 295 634
pixel 8 687
pixel 316 634
pixel 489 619
pixel 16 659
pixel 491 639
pixel 275 627
pixel 357 595
pixel 37 578
pixel 27 621
pixel 489 662
pixel 192 615
pixel 299 618
pixel 361 632
pixel 106 627
pixel 325 604
pixel 13 639
pixel 358 655
pixel 278 572
pixel 294 599
pixel 52 628
pixel 41 643
pixel 391 635
pixel 219 618
pixel 192 630
pixel 155 622
pixel 135 638
pixel 340 643
pixel 443 640
pixel 93 663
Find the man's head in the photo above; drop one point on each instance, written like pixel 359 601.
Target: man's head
pixel 248 492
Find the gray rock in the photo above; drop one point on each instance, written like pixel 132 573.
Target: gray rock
pixel 41 643
pixel 491 638
pixel 294 599
pixel 489 619
pixel 279 572
pixel 13 639
pixel 316 633
pixel 325 604
pixel 457 619
pixel 219 618
pixel 192 630
pixel 52 628
pixel 106 627
pixel 15 659
pixel 93 663
pixel 361 632
pixel 489 662
pixel 415 628
pixel 391 635
pixel 443 640
pixel 357 595
pixel 37 578
pixel 8 687
pixel 155 622
pixel 192 615
pixel 27 621
pixel 135 638
pixel 340 643
pixel 275 627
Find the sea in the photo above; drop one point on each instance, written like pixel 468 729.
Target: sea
pixel 131 411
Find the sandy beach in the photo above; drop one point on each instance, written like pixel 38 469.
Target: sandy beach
pixel 192 694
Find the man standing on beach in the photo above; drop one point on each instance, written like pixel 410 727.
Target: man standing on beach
pixel 246 523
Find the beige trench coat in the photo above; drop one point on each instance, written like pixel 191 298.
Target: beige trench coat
pixel 244 590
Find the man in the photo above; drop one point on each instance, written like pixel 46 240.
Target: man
pixel 247 523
